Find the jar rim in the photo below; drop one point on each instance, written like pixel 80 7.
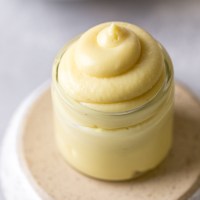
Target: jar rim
pixel 81 107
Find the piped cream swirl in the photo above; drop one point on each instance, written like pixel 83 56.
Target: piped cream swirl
pixel 112 63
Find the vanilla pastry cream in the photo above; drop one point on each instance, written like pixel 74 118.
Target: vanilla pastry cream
pixel 111 63
pixel 113 101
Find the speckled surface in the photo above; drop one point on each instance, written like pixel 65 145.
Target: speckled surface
pixel 176 178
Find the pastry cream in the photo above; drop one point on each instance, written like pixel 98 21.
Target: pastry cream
pixel 113 100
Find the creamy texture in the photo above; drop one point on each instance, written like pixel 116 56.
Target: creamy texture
pixel 112 67
pixel 113 102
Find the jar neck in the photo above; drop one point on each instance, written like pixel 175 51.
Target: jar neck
pixel 78 113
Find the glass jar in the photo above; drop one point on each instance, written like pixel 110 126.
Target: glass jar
pixel 114 146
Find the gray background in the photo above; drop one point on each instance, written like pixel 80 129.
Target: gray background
pixel 32 32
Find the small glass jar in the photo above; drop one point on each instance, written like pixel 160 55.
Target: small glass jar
pixel 114 146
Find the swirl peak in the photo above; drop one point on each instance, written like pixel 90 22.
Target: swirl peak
pixel 111 36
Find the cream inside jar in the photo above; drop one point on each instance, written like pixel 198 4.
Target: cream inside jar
pixel 113 102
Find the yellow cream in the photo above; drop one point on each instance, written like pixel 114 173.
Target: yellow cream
pixel 111 63
pixel 113 99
